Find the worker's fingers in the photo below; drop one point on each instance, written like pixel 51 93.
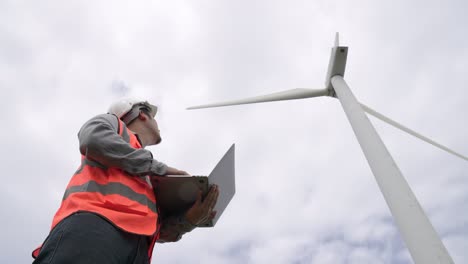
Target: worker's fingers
pixel 216 193
pixel 199 198
pixel 211 200
pixel 209 217
pixel 205 216
pixel 180 172
pixel 212 194
pixel 208 205
pixel 212 215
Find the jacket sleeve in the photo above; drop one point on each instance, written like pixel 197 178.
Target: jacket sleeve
pixel 173 228
pixel 100 141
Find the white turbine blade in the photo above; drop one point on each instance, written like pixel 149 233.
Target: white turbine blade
pixel 411 132
pixel 337 39
pixel 299 93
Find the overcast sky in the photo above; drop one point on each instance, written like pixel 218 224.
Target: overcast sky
pixel 305 193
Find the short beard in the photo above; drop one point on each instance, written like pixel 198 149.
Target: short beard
pixel 158 140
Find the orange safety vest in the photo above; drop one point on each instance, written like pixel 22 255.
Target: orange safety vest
pixel 125 200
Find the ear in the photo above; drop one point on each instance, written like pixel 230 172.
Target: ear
pixel 142 116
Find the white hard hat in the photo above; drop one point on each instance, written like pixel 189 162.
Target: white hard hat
pixel 123 108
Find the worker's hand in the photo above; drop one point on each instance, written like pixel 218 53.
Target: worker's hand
pixel 202 211
pixel 174 171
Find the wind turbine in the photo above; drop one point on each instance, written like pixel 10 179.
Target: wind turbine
pixel 422 241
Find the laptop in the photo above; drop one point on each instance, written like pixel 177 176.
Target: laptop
pixel 175 194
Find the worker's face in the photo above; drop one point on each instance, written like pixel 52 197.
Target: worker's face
pixel 154 128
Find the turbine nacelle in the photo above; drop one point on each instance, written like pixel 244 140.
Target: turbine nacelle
pixel 336 65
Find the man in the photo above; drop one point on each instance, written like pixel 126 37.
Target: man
pixel 109 211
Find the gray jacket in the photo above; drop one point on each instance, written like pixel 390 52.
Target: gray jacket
pixel 100 140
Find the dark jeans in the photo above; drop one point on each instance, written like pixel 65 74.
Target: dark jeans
pixel 87 238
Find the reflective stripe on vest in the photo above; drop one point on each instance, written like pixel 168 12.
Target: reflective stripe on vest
pixel 112 188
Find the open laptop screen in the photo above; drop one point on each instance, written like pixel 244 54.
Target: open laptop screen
pixel 176 193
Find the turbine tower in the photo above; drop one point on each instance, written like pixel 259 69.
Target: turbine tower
pixel 420 237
